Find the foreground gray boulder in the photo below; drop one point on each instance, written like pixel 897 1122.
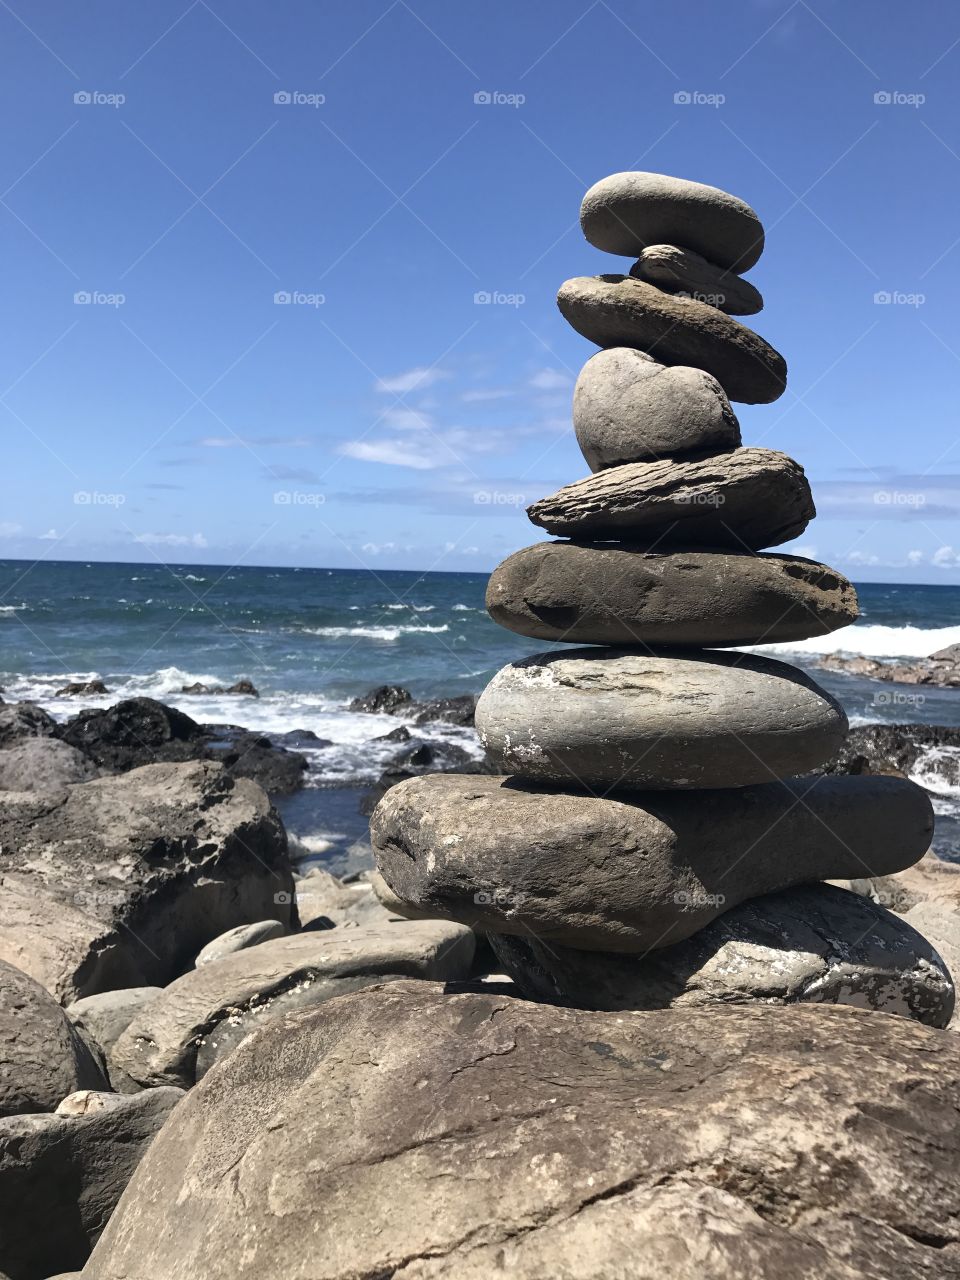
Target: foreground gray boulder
pixel 637 872
pixel 43 764
pixel 104 1016
pixel 634 719
pixel 204 1015
pixel 626 212
pixel 21 720
pixel 629 408
pixel 677 270
pixel 407 1133
pixel 62 1175
pixel 42 1058
pixel 745 500
pixel 619 311
pixel 594 593
pixel 815 944
pixel 119 882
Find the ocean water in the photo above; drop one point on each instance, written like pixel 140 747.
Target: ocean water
pixel 311 639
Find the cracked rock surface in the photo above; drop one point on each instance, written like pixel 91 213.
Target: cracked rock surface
pixel 816 944
pixel 538 1142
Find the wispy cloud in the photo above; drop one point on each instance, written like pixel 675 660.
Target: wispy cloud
pixel 551 380
pixel 417 379
pixel 245 442
pixel 393 453
pixel 407 419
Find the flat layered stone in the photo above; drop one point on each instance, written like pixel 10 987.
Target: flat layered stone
pixel 814 944
pixel 627 407
pixel 620 311
pixel 595 593
pixel 634 872
pixel 638 719
pixel 677 270
pixel 748 499
pixel 626 212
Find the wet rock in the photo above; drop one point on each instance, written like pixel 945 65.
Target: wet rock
pixel 77 688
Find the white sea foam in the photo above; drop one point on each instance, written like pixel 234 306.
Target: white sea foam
pixel 937 769
pixel 872 641
pixel 388 634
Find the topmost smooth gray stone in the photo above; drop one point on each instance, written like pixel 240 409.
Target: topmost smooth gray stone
pixel 628 211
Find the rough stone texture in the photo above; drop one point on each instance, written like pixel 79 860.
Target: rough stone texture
pixel 634 719
pixel 43 764
pixel 745 500
pixel 105 1015
pixel 929 880
pixel 626 212
pixel 119 882
pixel 816 944
pixel 239 939
pixel 629 408
pixel 203 1015
pixel 62 1175
pixel 677 270
pixel 940 925
pixel 595 593
pixel 640 871
pixel 325 901
pixel 619 311
pixel 941 670
pixel 42 1058
pixel 406 1133
pixel 19 720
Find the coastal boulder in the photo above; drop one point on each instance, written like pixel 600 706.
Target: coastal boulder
pixel 594 593
pixel 204 1015
pixel 639 871
pixel 43 764
pixel 410 1133
pixel 747 499
pixel 626 212
pixel 42 1058
pixel 19 720
pixel 629 408
pixel 620 311
pixel 119 882
pixel 815 944
pixel 631 718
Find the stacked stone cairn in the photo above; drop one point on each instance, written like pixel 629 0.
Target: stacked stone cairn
pixel 659 835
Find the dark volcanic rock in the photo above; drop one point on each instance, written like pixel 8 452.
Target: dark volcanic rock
pixel 76 688
pixel 119 882
pixel 386 698
pixel 42 1058
pixel 392 700
pixel 20 720
pixel 594 593
pixel 816 943
pixel 531 1142
pixel 637 872
pixel 744 500
pixel 619 311
pixel 899 748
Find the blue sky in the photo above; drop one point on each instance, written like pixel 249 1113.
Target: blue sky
pixel 382 415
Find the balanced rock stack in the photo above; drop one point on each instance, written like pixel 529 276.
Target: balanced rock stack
pixel 657 816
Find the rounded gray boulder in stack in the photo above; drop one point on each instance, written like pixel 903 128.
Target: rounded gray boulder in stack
pixel 659 833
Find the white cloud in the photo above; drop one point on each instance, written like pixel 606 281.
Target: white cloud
pixel 805 549
pixel 946 558
pixel 50 536
pixel 417 379
pixel 171 539
pixel 861 558
pixel 915 557
pixel 407 419
pixel 479 395
pixel 9 530
pixel 550 380
pixel 392 453
pixel 376 548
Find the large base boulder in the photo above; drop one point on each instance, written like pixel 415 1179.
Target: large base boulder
pixel 403 1132
pixel 62 1175
pixel 816 944
pixel 119 882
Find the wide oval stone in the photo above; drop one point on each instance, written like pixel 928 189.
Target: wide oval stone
pixel 619 311
pixel 677 270
pixel 595 593
pixel 746 499
pixel 628 211
pixel 629 408
pixel 815 944
pixel 633 719
pixel 634 872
